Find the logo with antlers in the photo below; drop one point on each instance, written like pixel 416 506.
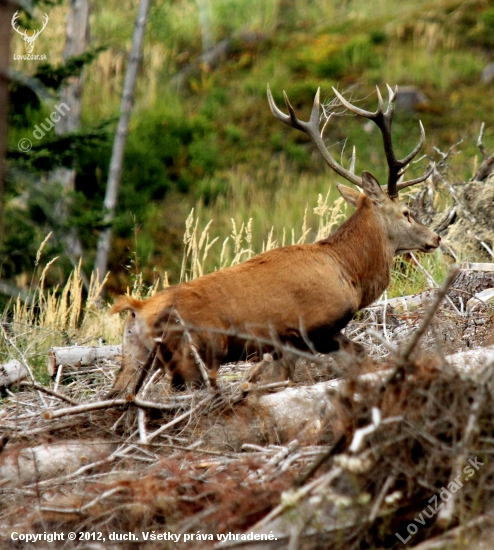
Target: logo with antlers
pixel 28 39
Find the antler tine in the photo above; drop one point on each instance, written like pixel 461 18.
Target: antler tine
pixel 311 128
pixel 353 160
pixel 420 179
pixel 383 119
pixel 358 110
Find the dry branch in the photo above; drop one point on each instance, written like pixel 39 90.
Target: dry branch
pixel 50 414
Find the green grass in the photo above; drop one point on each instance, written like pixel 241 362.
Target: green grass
pixel 214 146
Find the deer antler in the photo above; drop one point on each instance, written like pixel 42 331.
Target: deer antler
pixel 383 119
pixel 16 29
pixel 311 128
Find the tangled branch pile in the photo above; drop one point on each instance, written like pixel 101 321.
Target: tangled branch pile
pixel 363 461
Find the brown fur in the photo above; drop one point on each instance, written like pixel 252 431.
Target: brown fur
pixel 287 295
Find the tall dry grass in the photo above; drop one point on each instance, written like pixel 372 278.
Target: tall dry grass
pixel 55 316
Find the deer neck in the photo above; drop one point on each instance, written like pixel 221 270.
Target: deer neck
pixel 362 247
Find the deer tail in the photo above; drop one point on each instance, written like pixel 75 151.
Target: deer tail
pixel 125 302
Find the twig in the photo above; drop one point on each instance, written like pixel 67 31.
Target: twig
pixel 480 141
pixel 141 419
pixel 380 497
pixel 296 496
pixel 386 343
pixel 178 419
pixel 431 279
pixel 73 475
pixel 43 429
pixel 448 511
pixel 335 448
pixel 444 541
pixel 48 391
pixel 487 164
pixel 50 414
pixel 385 305
pixel 148 366
pixel 404 358
pixel 58 377
pixel 81 509
pixel 139 402
pixel 199 362
pixel 438 298
pixel 457 199
pixel 359 435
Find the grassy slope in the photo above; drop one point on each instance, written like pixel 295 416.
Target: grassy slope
pixel 240 163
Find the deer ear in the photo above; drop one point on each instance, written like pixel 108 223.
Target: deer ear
pixel 350 195
pixel 372 188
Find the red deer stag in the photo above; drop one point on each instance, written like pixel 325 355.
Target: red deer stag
pixel 298 295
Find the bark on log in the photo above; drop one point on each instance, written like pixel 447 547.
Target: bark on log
pixel 80 356
pixel 472 360
pixel 11 372
pixel 47 461
pixel 472 279
pixel 305 413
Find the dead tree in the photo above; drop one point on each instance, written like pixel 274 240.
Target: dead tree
pixel 117 156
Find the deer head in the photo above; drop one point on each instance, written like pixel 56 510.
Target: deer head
pixel 405 233
pixel 29 40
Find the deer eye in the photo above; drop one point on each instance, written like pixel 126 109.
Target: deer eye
pixel 407 214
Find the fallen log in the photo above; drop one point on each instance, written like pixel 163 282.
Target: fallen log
pixel 80 356
pixel 46 461
pixel 11 372
pixel 305 412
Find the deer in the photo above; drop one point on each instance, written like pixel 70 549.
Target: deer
pixel 298 296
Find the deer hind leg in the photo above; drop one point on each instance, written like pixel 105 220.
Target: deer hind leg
pixel 272 369
pixel 183 364
pixel 134 355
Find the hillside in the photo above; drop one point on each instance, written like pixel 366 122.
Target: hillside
pixel 202 135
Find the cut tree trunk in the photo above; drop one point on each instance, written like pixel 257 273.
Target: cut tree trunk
pixel 80 356
pixel 46 461
pixel 472 279
pixel 304 413
pixel 11 372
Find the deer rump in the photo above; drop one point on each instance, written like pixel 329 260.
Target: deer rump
pixel 291 296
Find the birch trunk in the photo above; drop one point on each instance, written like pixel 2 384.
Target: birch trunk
pixel 117 156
